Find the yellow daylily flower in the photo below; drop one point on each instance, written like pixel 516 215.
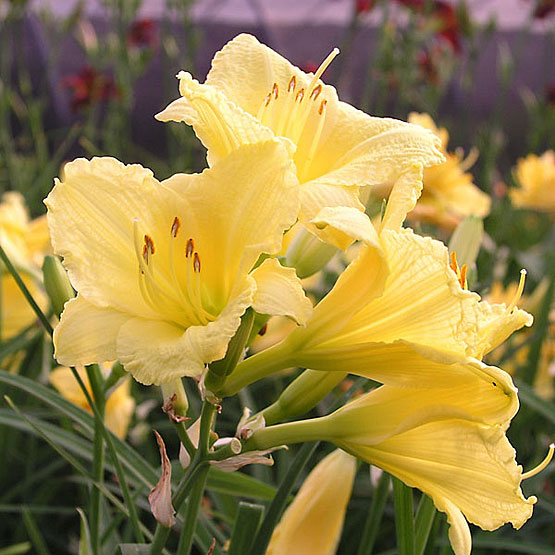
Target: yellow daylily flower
pixel 25 241
pixel 163 269
pixel 448 195
pixel 433 440
pixel 535 176
pixel 119 405
pixel 544 383
pixel 314 521
pixel 252 93
pixel 444 441
pixel 398 314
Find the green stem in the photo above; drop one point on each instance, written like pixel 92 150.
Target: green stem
pixel 184 438
pixel 188 531
pixel 257 367
pixel 313 429
pixel 96 380
pixel 404 518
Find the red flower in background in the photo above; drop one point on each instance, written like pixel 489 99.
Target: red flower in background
pixel 543 9
pixel 446 15
pixel 89 86
pixel 428 66
pixel 363 6
pixel 142 32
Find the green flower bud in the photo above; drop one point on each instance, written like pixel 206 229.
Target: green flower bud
pixel 308 254
pixel 56 283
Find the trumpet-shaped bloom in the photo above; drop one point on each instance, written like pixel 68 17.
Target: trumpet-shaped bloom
pixel 536 178
pixel 448 441
pixel 252 93
pixel 163 270
pixel 314 521
pixel 448 195
pixel 399 315
pixel 435 440
pixel 119 405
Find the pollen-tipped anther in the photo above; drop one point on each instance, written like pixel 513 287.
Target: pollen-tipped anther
pixel 176 225
pixel 196 263
pixel 275 91
pixel 300 95
pixel 189 248
pixel 292 84
pixel 322 106
pixel 316 92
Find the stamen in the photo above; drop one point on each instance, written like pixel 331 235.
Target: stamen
pixel 542 465
pixel 323 66
pixel 519 291
pixel 299 96
pixel 316 92
pixel 190 248
pixel 175 227
pixel 315 142
pixel 292 84
pixel 196 263
pixel 462 279
pixel 275 90
pixel 267 99
pixel 145 254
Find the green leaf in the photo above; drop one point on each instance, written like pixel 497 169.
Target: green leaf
pixel 16 549
pixel 34 533
pixel 425 516
pixel 133 549
pixel 372 525
pixel 404 518
pixel 247 521
pixel 239 485
pixel 85 547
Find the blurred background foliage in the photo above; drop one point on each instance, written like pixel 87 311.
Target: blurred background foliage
pixel 79 85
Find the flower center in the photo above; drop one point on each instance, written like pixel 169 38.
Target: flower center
pixel 171 285
pixel 287 113
pixel 461 273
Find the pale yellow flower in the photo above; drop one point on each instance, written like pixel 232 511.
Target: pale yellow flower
pixel 535 176
pixel 437 441
pixel 314 521
pixel 447 440
pixel 449 194
pixel 25 241
pixel 164 271
pixel 119 405
pixel 252 93
pixel 398 314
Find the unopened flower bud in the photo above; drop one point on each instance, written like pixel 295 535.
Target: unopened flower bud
pixel 308 254
pixel 56 283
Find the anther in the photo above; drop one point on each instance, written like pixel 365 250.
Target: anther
pixel 292 84
pixel 196 263
pixel 267 99
pixel 189 248
pixel 322 106
pixel 275 90
pixel 299 95
pixel 175 226
pixel 146 254
pixel 149 244
pixel 315 92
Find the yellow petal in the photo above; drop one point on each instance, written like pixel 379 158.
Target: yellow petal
pixel 403 197
pixel 315 198
pixel 64 381
pixel 90 215
pixel 242 206
pixel 119 409
pixel 87 333
pixel 355 225
pixel 314 521
pixel 157 352
pixel 279 292
pixel 221 125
